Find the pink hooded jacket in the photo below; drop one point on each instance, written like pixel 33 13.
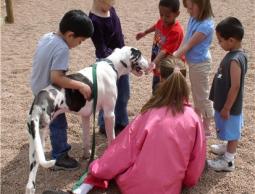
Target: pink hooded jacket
pixel 157 153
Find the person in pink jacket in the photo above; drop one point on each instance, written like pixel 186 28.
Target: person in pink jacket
pixel 162 150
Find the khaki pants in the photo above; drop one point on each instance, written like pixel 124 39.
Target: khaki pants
pixel 199 79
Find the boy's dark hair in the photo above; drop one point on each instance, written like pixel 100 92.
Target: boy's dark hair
pixel 230 27
pixel 77 22
pixel 173 5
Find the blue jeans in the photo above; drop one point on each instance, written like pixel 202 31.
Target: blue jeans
pixel 155 82
pixel 121 114
pixel 58 136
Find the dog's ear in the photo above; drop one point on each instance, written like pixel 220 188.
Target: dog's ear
pixel 135 54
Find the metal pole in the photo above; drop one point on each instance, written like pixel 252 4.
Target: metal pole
pixel 9 11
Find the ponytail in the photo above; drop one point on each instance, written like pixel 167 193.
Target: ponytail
pixel 173 91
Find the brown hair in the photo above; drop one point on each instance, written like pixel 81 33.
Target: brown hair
pixel 173 91
pixel 204 7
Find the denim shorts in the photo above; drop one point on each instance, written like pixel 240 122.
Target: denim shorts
pixel 228 129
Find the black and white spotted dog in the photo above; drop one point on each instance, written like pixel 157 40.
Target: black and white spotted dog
pixel 52 101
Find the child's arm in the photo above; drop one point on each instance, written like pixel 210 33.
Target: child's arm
pixel 154 65
pixel 142 34
pixel 159 57
pixel 59 78
pixel 102 50
pixel 235 74
pixel 196 38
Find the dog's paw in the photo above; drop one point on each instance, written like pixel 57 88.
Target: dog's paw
pixel 30 190
pixel 48 164
pixel 52 163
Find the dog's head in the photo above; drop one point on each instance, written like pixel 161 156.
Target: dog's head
pixel 129 59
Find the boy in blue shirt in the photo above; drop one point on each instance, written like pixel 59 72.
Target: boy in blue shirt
pixel 50 64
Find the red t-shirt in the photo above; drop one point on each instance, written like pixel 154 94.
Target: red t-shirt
pixel 166 38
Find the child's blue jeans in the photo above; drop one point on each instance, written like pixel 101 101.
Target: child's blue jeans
pixel 121 114
pixel 58 136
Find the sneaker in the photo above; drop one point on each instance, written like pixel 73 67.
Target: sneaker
pixel 218 149
pixel 65 162
pixel 56 192
pixel 221 164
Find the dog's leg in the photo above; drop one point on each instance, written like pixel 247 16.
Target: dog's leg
pixel 30 188
pixel 109 120
pixel 43 132
pixel 39 150
pixel 36 153
pixel 86 137
pixel 34 164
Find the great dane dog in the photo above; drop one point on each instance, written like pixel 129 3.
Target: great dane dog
pixel 53 100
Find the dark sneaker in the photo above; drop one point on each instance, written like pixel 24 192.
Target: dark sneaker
pixel 56 192
pixel 65 162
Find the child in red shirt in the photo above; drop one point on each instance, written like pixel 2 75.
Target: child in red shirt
pixel 168 35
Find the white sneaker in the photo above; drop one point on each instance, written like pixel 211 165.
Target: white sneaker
pixel 221 164
pixel 218 149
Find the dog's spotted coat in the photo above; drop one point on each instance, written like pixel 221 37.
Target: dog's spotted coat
pixel 53 100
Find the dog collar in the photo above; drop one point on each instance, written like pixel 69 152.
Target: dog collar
pixel 110 63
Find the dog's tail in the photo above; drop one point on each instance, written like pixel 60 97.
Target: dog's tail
pixel 34 120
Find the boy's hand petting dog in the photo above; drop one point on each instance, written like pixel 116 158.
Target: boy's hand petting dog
pixel 85 90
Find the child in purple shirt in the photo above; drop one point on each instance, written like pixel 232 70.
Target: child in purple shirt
pixel 108 36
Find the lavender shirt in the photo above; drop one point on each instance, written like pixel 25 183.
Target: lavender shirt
pixel 107 33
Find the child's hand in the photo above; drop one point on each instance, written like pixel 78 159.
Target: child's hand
pixel 85 90
pixel 140 35
pixel 225 113
pixel 151 67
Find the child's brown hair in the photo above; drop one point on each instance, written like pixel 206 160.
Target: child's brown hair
pixel 204 7
pixel 173 91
